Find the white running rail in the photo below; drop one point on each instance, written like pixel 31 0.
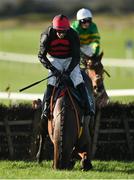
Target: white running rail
pixel 27 58
pixel 28 96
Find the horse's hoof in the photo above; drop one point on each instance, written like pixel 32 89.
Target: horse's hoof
pixel 86 165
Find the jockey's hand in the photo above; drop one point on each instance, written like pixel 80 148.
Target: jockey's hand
pixel 55 71
pixel 65 77
pixel 67 72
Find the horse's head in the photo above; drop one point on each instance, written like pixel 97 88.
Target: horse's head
pixel 95 70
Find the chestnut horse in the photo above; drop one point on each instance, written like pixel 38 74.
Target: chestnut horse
pixel 68 129
pixel 95 71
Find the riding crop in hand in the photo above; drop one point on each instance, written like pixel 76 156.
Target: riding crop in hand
pixel 33 84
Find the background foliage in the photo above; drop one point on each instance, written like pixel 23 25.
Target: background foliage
pixel 17 7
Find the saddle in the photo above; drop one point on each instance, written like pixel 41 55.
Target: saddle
pixel 61 90
pixel 68 87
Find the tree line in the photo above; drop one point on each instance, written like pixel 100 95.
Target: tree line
pixel 20 7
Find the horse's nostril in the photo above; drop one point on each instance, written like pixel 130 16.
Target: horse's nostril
pixel 95 87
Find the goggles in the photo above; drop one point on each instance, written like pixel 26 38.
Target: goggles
pixel 61 31
pixel 87 20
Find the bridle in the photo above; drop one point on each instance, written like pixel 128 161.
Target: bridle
pixel 95 70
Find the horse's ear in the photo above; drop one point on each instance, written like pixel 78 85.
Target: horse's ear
pixel 101 55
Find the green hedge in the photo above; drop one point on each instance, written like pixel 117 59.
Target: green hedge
pixel 112 117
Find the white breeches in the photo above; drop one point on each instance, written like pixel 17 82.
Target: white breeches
pixel 63 64
pixel 87 50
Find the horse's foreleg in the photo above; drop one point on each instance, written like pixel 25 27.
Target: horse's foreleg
pixel 38 155
pixel 85 161
pixel 86 155
pixel 56 151
pixel 42 136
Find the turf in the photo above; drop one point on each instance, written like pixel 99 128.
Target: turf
pixel 32 170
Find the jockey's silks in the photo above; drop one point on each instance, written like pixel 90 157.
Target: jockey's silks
pixel 88 35
pixel 59 47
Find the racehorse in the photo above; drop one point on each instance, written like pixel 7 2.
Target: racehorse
pixel 95 71
pixel 68 129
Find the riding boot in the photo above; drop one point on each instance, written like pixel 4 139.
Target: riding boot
pixel 81 88
pixel 89 89
pixel 45 111
pixel 46 103
pixel 43 125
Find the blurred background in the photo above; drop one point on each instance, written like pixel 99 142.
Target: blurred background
pixel 22 21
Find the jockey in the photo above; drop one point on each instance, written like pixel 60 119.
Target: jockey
pixel 89 37
pixel 88 33
pixel 60 50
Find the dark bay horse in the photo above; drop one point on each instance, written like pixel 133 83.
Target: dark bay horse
pixel 68 129
pixel 95 70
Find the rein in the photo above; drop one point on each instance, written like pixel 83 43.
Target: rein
pixel 96 63
pixel 106 73
pixel 104 70
pixel 51 103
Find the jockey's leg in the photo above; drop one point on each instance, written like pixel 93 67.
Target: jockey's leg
pixel 43 125
pixel 78 82
pixel 46 105
pixel 91 101
pixel 82 89
pixel 89 89
pixel 46 101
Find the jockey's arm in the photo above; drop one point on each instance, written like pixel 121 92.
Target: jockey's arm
pixel 75 47
pixel 43 52
pixel 95 43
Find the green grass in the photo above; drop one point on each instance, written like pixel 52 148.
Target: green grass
pixel 114 40
pixel 19 75
pixel 20 40
pixel 113 43
pixel 115 31
pixel 32 170
pixel 121 78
